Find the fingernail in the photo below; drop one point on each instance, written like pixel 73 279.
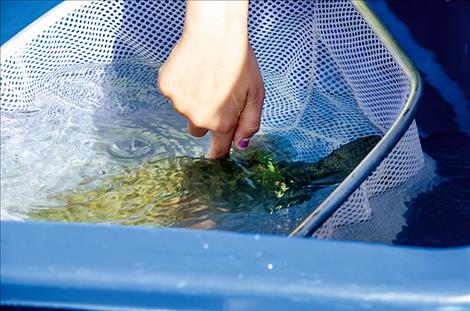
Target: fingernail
pixel 243 143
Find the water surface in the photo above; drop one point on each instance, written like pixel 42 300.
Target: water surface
pixel 101 145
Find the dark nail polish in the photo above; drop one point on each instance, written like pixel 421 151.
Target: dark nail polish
pixel 243 143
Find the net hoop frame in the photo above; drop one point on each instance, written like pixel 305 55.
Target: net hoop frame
pixel 403 121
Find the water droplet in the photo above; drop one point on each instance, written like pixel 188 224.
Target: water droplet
pixel 133 148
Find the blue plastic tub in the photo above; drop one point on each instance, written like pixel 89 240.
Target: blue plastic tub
pixel 99 267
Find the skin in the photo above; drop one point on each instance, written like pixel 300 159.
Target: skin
pixel 212 77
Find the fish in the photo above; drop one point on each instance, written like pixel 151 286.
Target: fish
pixel 183 191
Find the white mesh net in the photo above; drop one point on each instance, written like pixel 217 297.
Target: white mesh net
pixel 329 79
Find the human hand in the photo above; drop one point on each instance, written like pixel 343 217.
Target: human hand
pixel 212 77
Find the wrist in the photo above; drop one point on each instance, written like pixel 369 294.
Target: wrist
pixel 213 20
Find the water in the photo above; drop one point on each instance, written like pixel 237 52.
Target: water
pixel 442 59
pixel 102 145
pixel 446 205
pixel 196 192
pixel 82 131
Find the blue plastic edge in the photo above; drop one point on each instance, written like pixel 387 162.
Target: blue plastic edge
pixel 108 267
pixel 17 14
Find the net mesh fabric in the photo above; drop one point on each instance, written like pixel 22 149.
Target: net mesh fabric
pixel 329 79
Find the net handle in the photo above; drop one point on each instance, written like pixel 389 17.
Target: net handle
pixel 327 208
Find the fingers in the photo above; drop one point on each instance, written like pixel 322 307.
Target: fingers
pixel 249 120
pixel 248 124
pixel 220 144
pixel 196 131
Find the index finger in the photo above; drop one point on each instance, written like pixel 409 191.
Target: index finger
pixel 220 144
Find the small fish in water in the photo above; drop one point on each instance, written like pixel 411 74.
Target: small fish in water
pixel 184 191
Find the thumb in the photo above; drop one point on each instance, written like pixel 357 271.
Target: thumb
pixel 249 120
